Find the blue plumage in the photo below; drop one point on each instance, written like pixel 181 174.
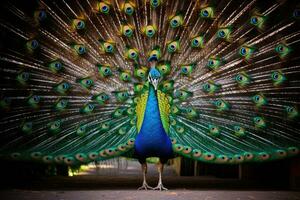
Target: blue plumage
pixel 152 140
pixel 154 73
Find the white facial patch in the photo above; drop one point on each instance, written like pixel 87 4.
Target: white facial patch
pixel 153 81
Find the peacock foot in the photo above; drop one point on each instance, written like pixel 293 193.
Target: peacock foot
pixel 160 187
pixel 145 186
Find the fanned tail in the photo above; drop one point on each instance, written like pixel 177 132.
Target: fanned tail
pixel 73 73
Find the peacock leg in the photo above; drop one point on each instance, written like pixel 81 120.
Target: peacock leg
pixel 145 186
pixel 160 168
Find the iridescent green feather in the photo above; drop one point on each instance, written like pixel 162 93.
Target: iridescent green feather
pixel 164 109
pixel 141 108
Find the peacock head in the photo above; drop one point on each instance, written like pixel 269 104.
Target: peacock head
pixel 154 75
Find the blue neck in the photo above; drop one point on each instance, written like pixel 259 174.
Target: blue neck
pixel 152 115
pixel 152 139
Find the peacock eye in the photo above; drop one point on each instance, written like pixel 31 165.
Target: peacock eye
pixel 282 50
pixel 86 83
pixel 176 21
pixel 224 33
pixel 155 3
pixel 278 78
pixel 91 107
pixel 150 31
pixel 127 31
pixel 128 9
pixel 141 74
pixel 254 20
pixel 205 13
pixel 243 51
pixel 104 71
pixel 36 98
pixel 290 109
pixel 173 46
pixel 65 86
pixel 259 100
pixel 221 34
pixel 25 76
pixel 210 62
pixel 80 49
pixel 62 102
pixel 40 15
pixel 109 47
pixel 107 71
pixel 195 42
pixel 275 76
pixel 57 66
pixel 246 51
pixel 28 125
pixel 79 24
pixel 34 44
pixel 103 7
pixel 279 48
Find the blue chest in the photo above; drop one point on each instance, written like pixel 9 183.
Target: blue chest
pixel 152 140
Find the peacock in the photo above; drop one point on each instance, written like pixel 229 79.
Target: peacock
pixel 215 81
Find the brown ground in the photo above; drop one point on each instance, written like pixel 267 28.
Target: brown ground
pixel 111 183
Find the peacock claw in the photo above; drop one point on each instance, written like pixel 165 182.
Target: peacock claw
pixel 160 187
pixel 145 186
